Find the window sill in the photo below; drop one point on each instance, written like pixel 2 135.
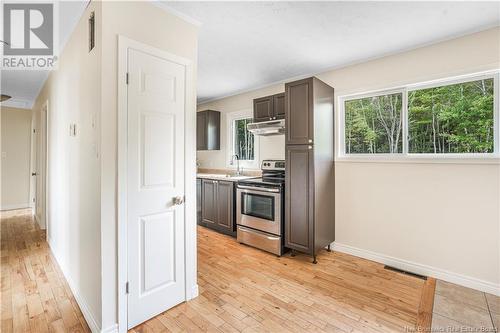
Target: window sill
pixel 492 160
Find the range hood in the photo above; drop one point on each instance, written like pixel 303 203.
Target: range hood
pixel 267 128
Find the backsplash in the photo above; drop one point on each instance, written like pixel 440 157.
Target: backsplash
pixel 270 147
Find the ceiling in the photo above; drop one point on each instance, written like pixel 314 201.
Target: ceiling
pixel 23 85
pixel 247 45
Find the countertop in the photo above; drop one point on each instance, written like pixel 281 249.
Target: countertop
pixel 221 176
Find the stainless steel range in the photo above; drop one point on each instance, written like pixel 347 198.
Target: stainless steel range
pixel 260 208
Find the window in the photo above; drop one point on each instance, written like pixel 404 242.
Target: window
pixel 373 124
pixel 456 118
pixel 449 118
pixel 240 141
pixel 243 140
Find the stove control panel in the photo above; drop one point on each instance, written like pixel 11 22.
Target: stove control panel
pixel 273 165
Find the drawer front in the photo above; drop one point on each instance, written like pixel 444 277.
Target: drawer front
pixel 260 240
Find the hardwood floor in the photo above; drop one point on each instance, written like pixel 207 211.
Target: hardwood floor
pixel 246 290
pixel 241 290
pixel 34 294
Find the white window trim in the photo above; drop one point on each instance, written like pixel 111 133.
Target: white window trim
pixel 405 156
pixel 246 164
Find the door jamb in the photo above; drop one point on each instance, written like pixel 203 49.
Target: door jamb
pixel 124 44
pixel 36 143
pixel 45 106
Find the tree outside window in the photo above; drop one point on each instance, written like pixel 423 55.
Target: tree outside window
pixel 243 140
pixel 456 118
pixel 373 125
pixel 451 118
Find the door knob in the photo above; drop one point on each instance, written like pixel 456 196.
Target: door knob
pixel 33 173
pixel 178 200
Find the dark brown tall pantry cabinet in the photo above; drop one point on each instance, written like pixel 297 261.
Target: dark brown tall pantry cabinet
pixel 310 168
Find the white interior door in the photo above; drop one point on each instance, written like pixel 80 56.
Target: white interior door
pixel 155 241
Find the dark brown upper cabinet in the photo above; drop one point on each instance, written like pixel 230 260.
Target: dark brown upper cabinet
pixel 269 108
pixel 279 106
pixel 208 130
pixel 299 112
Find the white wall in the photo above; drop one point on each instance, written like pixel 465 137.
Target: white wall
pixel 74 225
pixel 433 217
pixel 271 147
pixel 16 155
pixel 149 25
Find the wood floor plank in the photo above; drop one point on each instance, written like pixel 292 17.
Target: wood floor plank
pixel 424 316
pixel 242 289
pixel 34 294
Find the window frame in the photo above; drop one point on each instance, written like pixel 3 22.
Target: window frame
pixel 404 90
pixel 247 164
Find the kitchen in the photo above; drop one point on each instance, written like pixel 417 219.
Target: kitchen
pixel 291 205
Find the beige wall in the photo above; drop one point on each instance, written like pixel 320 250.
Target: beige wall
pixel 16 155
pixel 83 169
pixel 271 147
pixel 438 218
pixel 74 228
pixel 150 25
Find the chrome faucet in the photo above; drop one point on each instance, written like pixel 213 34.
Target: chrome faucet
pixel 238 170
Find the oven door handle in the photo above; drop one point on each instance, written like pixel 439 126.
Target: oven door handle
pixel 262 189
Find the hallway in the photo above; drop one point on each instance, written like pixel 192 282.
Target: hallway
pixel 35 296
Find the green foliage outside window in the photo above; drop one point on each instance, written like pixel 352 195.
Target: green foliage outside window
pixel 373 125
pixel 243 140
pixel 456 118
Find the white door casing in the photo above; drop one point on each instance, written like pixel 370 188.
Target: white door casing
pixel 155 176
pixel 41 167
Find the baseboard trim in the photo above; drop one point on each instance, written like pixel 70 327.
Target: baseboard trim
pixel 194 292
pixel 111 329
pixel 422 269
pixel 15 206
pixel 87 314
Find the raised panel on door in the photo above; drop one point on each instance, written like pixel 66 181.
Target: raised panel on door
pixel 155 175
pixel 263 109
pixel 298 109
pixel 299 199
pixel 279 106
pixel 201 131
pixel 225 206
pixel 209 205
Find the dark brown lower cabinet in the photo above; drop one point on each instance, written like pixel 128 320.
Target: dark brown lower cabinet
pixel 217 206
pixel 225 198
pixel 299 198
pixel 198 201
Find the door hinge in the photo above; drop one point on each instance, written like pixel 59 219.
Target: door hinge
pixel 126 78
pixel 126 288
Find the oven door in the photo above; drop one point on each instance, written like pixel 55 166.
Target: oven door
pixel 259 208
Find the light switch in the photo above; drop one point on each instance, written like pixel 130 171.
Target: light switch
pixel 72 129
